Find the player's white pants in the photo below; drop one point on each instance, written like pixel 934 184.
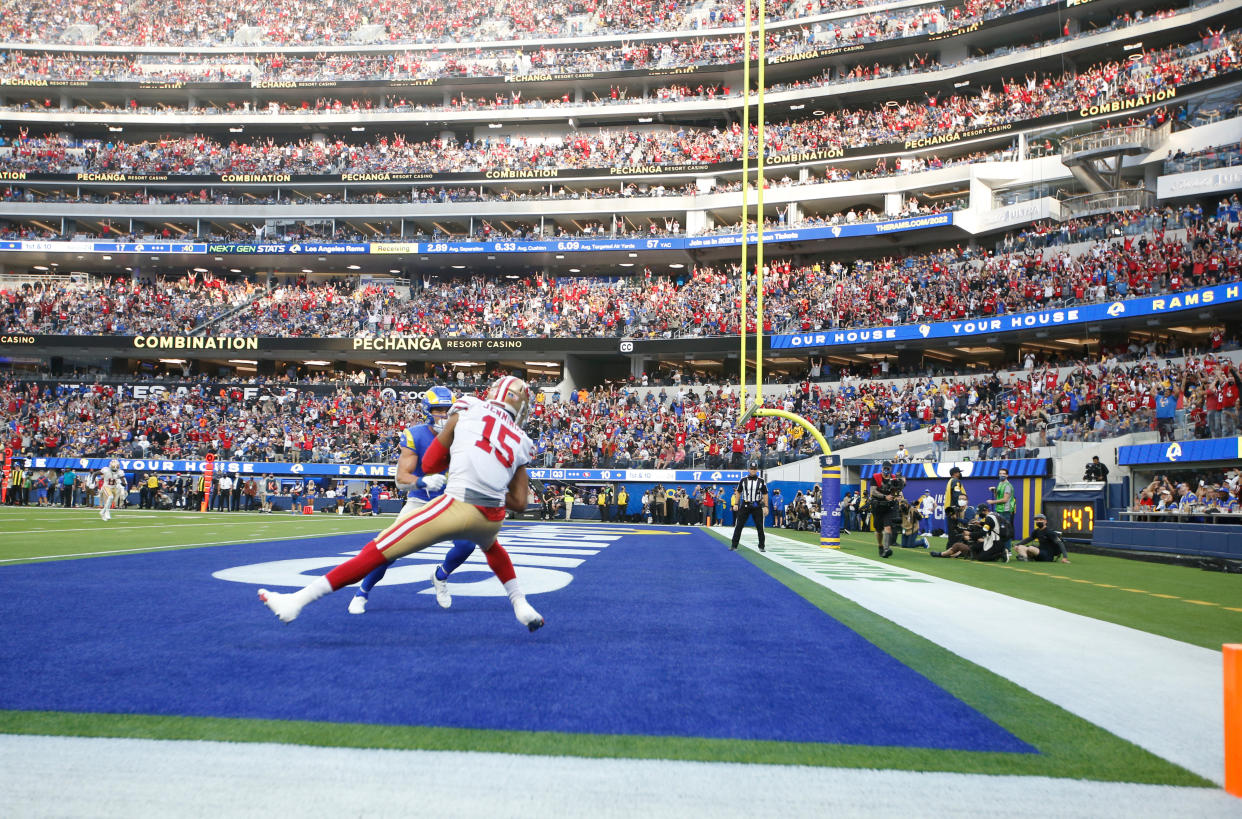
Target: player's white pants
pixel 412 505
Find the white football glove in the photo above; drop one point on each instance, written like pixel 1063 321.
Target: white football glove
pixel 406 487
pixel 434 483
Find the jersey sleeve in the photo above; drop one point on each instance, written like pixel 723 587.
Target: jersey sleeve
pixel 528 450
pixel 407 439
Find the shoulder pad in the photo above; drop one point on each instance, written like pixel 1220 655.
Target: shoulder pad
pixel 464 403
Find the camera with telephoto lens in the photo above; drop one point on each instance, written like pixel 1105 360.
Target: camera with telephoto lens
pixel 892 485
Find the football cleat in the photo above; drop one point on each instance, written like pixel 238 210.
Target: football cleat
pixel 358 605
pixel 527 615
pixel 282 605
pixel 443 597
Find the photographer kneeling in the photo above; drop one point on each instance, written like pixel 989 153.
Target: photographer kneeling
pixel 1048 548
pixel 983 539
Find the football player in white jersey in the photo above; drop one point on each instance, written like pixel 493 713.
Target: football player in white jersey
pixel 112 490
pixel 486 452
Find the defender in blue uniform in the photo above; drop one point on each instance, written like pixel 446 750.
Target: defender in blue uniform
pixel 420 490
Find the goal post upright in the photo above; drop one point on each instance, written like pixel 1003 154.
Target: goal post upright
pixel 746 37
pixel 830 465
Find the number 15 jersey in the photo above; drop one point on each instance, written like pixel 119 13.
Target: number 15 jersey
pixel 488 449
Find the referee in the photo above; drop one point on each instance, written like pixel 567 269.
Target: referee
pixel 752 502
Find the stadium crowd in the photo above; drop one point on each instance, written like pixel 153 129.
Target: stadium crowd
pixel 35 68
pixel 1185 251
pixel 1190 497
pixel 618 426
pixel 284 22
pixel 838 129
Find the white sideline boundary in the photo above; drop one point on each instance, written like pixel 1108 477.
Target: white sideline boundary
pixel 1161 694
pixel 135 778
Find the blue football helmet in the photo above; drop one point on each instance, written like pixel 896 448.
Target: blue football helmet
pixel 437 398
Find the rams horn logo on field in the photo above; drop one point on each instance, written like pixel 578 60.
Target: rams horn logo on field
pixel 85 463
pixel 924 329
pixel 297 469
pixel 1173 452
pixel 715 476
pixel 836 231
pixel 1116 309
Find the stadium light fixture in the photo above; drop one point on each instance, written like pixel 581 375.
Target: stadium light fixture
pixel 200 270
pixel 819 112
pixel 116 129
pixel 494 125
pixel 107 258
pixel 243 361
pixel 633 255
pixel 307 270
pixel 357 128
pixel 961 84
pixel 560 255
pixel 543 363
pixel 797 107
pixel 575 270
pixel 1132 46
pixel 676 265
pixel 459 267
pixel 41 267
pixel 644 120
pixel 234 269
pixel 392 363
pixel 511 277
pixel 354 267
pixel 236 129
pixel 316 363
pixel 394 271
pixel 172 360
pixel 627 264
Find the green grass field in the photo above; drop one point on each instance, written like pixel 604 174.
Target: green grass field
pixel 34 534
pixel 1188 604
pixel 1192 605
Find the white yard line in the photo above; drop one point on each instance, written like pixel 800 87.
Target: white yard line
pixel 1161 694
pixel 303 536
pixel 150 526
pixel 136 778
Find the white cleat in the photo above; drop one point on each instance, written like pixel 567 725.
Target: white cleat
pixel 442 592
pixel 282 605
pixel 527 615
pixel 358 605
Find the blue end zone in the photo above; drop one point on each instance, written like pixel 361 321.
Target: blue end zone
pixel 668 635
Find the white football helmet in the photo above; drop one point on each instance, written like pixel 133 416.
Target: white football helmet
pixel 513 394
pixel 115 464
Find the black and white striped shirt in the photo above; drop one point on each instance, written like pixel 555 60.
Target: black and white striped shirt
pixel 752 490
